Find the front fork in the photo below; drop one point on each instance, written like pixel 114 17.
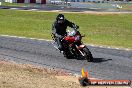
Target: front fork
pixel 79 49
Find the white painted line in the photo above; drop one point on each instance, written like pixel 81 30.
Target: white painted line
pixel 108 47
pixel 32 38
pixel 7 36
pixel 13 8
pixel 26 38
pixel 24 6
pixel 12 36
pixel 55 11
pixel 52 40
pixel 101 46
pixel 92 45
pixel 33 9
pixel 127 49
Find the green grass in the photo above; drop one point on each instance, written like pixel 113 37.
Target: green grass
pixel 109 29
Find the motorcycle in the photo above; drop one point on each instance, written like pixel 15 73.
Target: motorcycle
pixel 73 46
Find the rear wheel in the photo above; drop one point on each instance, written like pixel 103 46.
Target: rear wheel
pixel 87 54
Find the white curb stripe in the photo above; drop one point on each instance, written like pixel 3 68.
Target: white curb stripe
pixel 33 9
pixel 13 8
pixel 51 40
pixel 25 38
pixel 110 47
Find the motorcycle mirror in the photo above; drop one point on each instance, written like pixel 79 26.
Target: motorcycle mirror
pixel 83 35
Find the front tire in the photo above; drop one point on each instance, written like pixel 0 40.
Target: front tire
pixel 67 55
pixel 87 54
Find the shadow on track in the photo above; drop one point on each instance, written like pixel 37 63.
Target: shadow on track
pixel 99 60
pixel 95 60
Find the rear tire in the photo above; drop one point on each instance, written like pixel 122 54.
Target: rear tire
pixel 87 54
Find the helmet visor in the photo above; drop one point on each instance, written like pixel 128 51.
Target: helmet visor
pixel 60 21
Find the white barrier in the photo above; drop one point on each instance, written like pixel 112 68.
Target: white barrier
pixel 11 1
pixel 38 1
pixel 27 1
pixel 56 2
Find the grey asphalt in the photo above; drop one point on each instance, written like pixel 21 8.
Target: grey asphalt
pixel 45 8
pixel 107 64
pixel 61 8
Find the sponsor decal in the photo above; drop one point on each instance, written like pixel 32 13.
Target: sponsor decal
pixel 84 80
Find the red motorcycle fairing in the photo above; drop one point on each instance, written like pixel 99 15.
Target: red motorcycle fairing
pixel 70 39
pixel 81 46
pixel 74 48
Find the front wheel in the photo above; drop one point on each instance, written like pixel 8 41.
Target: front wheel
pixel 87 54
pixel 67 54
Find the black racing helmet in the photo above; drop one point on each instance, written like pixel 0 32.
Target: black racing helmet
pixel 60 18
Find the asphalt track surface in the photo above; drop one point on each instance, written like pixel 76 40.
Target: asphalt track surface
pixel 45 8
pixel 59 8
pixel 107 64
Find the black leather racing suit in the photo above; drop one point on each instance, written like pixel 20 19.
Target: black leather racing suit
pixel 59 30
